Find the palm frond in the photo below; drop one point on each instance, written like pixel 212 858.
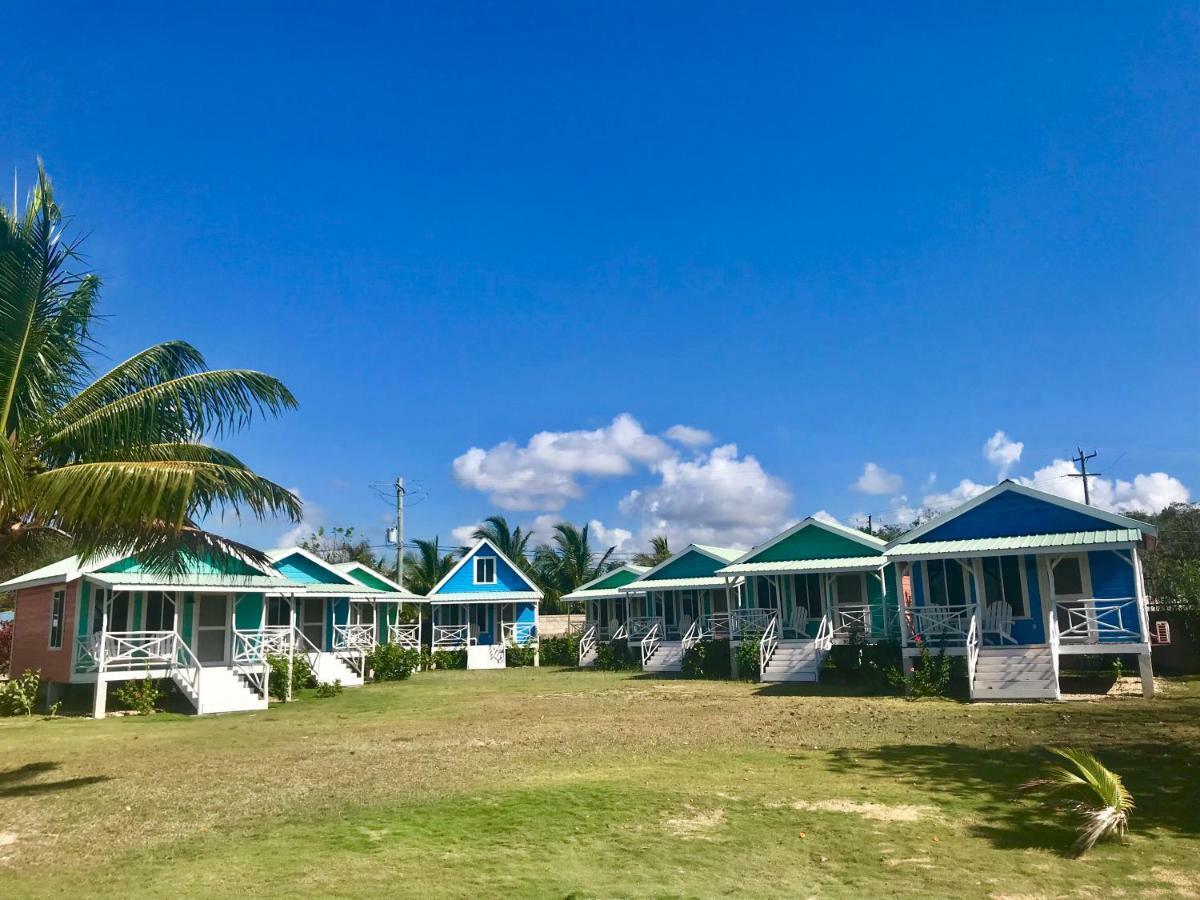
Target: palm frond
pixel 1096 793
pixel 190 406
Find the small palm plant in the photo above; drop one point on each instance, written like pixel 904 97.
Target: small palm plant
pixel 1100 796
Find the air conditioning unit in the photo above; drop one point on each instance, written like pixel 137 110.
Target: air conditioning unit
pixel 1161 633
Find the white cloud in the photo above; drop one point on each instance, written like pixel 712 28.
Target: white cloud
pixel 822 515
pixel 312 518
pixel 463 535
pixel 544 474
pixel 602 537
pixel 936 504
pixel 715 498
pixel 1149 493
pixel 692 437
pixel 1003 453
pixel 877 480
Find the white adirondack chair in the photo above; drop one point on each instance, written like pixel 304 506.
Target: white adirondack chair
pixel 998 620
pixel 800 622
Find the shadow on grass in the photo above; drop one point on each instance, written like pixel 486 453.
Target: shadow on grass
pixel 14 782
pixel 1161 776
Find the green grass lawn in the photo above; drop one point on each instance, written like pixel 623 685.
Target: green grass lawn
pixel 556 783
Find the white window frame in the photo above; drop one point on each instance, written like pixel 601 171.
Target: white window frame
pixel 862 583
pixel 965 582
pixel 475 569
pixel 57 599
pixel 1027 614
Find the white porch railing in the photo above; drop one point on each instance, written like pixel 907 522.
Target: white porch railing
pixel 692 635
pixel 588 643
pixel 123 650
pixel 941 624
pixel 359 636
pixel 767 644
pixel 824 638
pixel 715 626
pixel 446 637
pixel 518 634
pixel 851 620
pixel 650 643
pixel 1098 621
pixel 406 635
pixel 251 649
pixel 639 626
pixel 753 619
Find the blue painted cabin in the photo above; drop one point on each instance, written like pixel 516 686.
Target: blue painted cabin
pixel 483 605
pixel 1017 578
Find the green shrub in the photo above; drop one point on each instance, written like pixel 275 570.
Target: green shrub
pixel 930 677
pixel 329 689
pixel 18 696
pixel 618 656
pixel 519 656
pixel 748 655
pixel 707 659
pixel 862 663
pixel 141 696
pixel 449 659
pixel 391 662
pixel 277 680
pixel 562 650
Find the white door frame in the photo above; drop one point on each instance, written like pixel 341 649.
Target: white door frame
pixel 226 617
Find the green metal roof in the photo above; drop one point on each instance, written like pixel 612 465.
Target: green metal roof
pixel 725 553
pixel 672 584
pixel 599 593
pixel 1026 542
pixel 189 581
pixel 789 566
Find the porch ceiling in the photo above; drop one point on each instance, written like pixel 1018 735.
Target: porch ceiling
pixel 1115 538
pixel 798 566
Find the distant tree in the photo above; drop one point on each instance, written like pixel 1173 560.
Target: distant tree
pixel 660 550
pixel 425 568
pixel 888 532
pixel 1172 567
pixel 340 545
pixel 512 542
pixel 568 561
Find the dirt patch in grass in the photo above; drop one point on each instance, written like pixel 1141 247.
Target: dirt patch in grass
pixel 877 812
pixel 696 823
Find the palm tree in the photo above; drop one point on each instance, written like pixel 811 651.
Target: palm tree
pixel 119 462
pixel 425 568
pixel 659 551
pixel 570 560
pixel 512 542
pixel 1100 796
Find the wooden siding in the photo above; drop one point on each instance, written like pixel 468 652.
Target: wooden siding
pixel 463 581
pixel 1010 514
pixel 813 542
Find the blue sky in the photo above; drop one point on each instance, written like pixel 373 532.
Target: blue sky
pixel 830 238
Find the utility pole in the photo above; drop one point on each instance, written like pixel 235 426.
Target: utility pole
pixel 1082 459
pixel 870 530
pixel 399 530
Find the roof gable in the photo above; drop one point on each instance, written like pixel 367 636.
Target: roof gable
pixel 367 577
pixel 461 579
pixel 614 579
pixel 193 565
pixel 693 561
pixel 814 539
pixel 305 567
pixel 1012 510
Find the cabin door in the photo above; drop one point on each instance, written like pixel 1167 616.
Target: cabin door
pixel 211 638
pixel 312 620
pixel 1071 580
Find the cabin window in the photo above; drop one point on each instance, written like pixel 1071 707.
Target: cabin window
pixel 160 611
pixel 58 609
pixel 485 570
pixel 850 589
pixel 1002 583
pixel 118 610
pixel 279 614
pixel 1068 577
pixel 947 583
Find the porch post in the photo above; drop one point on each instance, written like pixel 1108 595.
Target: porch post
pixel 537 634
pixel 291 601
pixel 101 694
pixel 883 593
pixel 905 638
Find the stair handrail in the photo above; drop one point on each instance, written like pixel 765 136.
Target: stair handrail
pixel 300 639
pixel 250 659
pixel 767 644
pixel 186 669
pixel 650 643
pixel 621 634
pixel 692 636
pixel 587 643
pixel 972 652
